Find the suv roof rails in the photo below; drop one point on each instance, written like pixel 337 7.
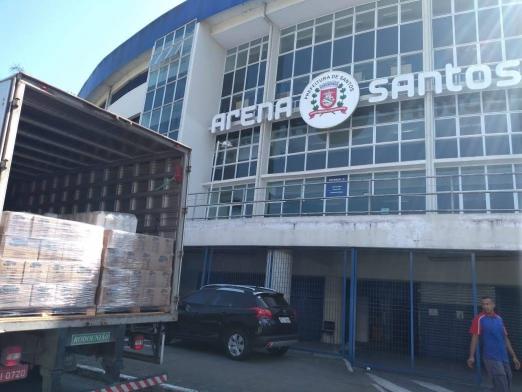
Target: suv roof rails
pixel 248 287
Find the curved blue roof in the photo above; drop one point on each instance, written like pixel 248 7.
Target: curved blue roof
pixel 144 39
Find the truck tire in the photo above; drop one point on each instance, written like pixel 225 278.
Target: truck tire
pixel 237 344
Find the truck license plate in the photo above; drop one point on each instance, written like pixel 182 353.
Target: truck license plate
pixel 12 373
pixel 284 320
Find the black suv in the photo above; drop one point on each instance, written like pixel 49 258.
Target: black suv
pixel 238 317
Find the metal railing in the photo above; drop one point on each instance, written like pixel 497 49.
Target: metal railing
pixel 451 194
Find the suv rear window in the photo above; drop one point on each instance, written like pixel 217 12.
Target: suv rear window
pixel 273 300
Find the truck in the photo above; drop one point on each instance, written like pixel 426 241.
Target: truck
pixel 63 155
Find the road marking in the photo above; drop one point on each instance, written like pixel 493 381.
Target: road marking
pixel 387 384
pixel 379 388
pixel 431 387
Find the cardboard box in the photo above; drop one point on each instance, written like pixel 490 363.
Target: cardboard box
pixel 161 297
pixel 50 250
pixel 15 296
pixel 160 263
pixel 70 295
pixel 59 272
pixel 11 271
pixel 147 296
pixel 158 279
pixel 117 297
pixel 35 271
pixel 16 223
pixel 43 295
pixel 19 247
pixel 86 274
pixel 115 277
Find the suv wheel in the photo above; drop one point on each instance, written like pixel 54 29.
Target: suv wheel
pixel 277 351
pixel 237 344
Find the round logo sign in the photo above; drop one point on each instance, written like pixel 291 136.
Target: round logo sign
pixel 329 99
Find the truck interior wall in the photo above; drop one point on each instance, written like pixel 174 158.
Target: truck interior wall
pixel 147 188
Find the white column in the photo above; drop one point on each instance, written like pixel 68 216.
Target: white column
pixel 279 271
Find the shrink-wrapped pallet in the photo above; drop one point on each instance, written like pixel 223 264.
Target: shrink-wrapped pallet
pixel 136 271
pixel 108 220
pixel 48 264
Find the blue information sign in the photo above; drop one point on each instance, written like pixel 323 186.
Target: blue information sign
pixel 336 186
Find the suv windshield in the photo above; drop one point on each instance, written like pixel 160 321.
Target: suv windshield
pixel 273 300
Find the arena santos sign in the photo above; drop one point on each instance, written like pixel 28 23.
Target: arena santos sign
pixel 330 98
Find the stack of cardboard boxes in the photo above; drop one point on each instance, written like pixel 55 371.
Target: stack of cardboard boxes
pixel 136 271
pixel 47 262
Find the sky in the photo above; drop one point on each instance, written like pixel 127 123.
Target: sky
pixel 62 41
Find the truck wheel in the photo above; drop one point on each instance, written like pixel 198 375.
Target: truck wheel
pixel 237 344
pixel 277 351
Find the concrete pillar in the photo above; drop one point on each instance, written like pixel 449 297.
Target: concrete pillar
pixel 279 271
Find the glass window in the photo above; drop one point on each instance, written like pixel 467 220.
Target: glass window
pixel 515 99
pixel 496 123
pixel 276 165
pixel 412 130
pixel 387 16
pixel 516 122
pixel 411 11
pixel 412 110
pixel 497 145
pixel 339 139
pixel 286 43
pixel 343 27
pixel 239 80
pixel 443 57
pixel 385 153
pixel 342 51
pixel 304 38
pixel 411 37
pixel 489 24
pixel 227 84
pixel 361 156
pixel 471 147
pixel 362 116
pixel 445 106
pixel 465 28
pixel 464 5
pixel 364 46
pixel 323 32
pixel 445 127
pixel 388 112
pixel 491 52
pixel 303 59
pixel 316 141
pixel 411 63
pixel 365 21
pixel 363 71
pixel 362 136
pixel 446 148
pixel 316 160
pixel 241 59
pixel 385 184
pixel 251 78
pixel 441 26
pixel 296 144
pixel 295 163
pixel 387 67
pixel 469 103
pixel 514 49
pixel 322 56
pixel 441 7
pixel 470 126
pixel 412 151
pixel 284 66
pixel 338 158
pixel 511 18
pixel 180 88
pixel 466 55
pixel 387 133
pixel 297 127
pixel 387 41
pixel 278 147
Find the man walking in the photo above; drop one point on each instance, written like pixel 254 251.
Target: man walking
pixel 495 345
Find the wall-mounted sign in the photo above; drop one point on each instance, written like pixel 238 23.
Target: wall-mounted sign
pixel 336 186
pixel 329 99
pixel 477 77
pixel 252 115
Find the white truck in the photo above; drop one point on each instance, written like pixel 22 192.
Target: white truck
pixel 61 154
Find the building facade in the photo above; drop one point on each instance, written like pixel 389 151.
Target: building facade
pixel 383 230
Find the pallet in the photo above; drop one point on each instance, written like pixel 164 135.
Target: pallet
pixel 132 309
pixel 46 312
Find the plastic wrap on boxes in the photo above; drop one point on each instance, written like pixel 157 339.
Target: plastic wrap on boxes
pixel 108 220
pixel 136 271
pixel 54 265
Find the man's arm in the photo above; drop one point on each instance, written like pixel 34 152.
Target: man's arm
pixel 472 350
pixel 512 353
